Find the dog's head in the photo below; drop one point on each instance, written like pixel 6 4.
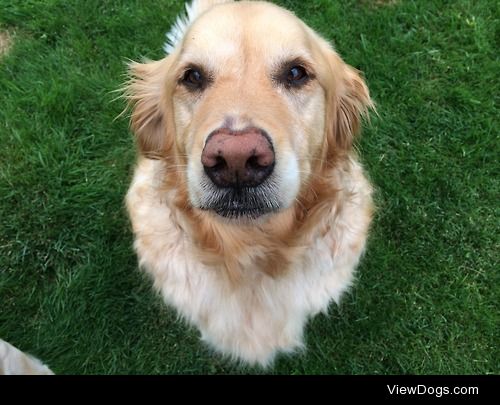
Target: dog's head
pixel 248 107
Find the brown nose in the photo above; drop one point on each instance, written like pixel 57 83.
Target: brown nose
pixel 238 158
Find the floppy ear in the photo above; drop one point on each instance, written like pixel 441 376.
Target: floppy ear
pixel 145 92
pixel 349 101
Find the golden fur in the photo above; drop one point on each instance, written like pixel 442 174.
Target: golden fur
pixel 246 274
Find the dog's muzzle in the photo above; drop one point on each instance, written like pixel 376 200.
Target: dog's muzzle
pixel 239 166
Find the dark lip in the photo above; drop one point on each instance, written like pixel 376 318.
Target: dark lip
pixel 237 204
pixel 236 210
pixel 241 202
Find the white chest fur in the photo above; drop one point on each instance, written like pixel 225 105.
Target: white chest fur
pixel 262 315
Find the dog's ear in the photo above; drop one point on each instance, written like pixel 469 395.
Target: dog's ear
pixel 348 101
pixel 146 94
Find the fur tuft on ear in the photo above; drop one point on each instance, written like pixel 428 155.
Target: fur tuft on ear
pixel 352 105
pixel 349 102
pixel 144 92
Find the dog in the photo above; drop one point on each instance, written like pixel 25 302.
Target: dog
pixel 15 362
pixel 249 207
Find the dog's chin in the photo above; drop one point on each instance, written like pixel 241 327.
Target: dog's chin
pixel 241 212
pixel 241 204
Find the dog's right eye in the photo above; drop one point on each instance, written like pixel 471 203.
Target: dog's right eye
pixel 193 79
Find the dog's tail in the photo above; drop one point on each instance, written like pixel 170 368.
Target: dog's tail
pixel 193 9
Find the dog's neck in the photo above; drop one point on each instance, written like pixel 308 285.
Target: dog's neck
pixel 267 246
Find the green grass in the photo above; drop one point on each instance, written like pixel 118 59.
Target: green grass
pixel 427 296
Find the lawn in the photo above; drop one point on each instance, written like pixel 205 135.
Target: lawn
pixel 426 300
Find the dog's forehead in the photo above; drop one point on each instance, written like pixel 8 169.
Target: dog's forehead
pixel 258 28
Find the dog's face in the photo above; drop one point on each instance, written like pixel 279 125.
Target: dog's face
pixel 249 108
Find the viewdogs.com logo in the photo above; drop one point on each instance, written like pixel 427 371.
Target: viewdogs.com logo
pixel 433 391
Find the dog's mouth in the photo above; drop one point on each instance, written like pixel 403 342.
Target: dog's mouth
pixel 241 202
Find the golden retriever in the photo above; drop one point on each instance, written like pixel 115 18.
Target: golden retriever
pixel 249 208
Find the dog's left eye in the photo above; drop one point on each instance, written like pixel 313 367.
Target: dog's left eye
pixel 297 75
pixel 293 76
